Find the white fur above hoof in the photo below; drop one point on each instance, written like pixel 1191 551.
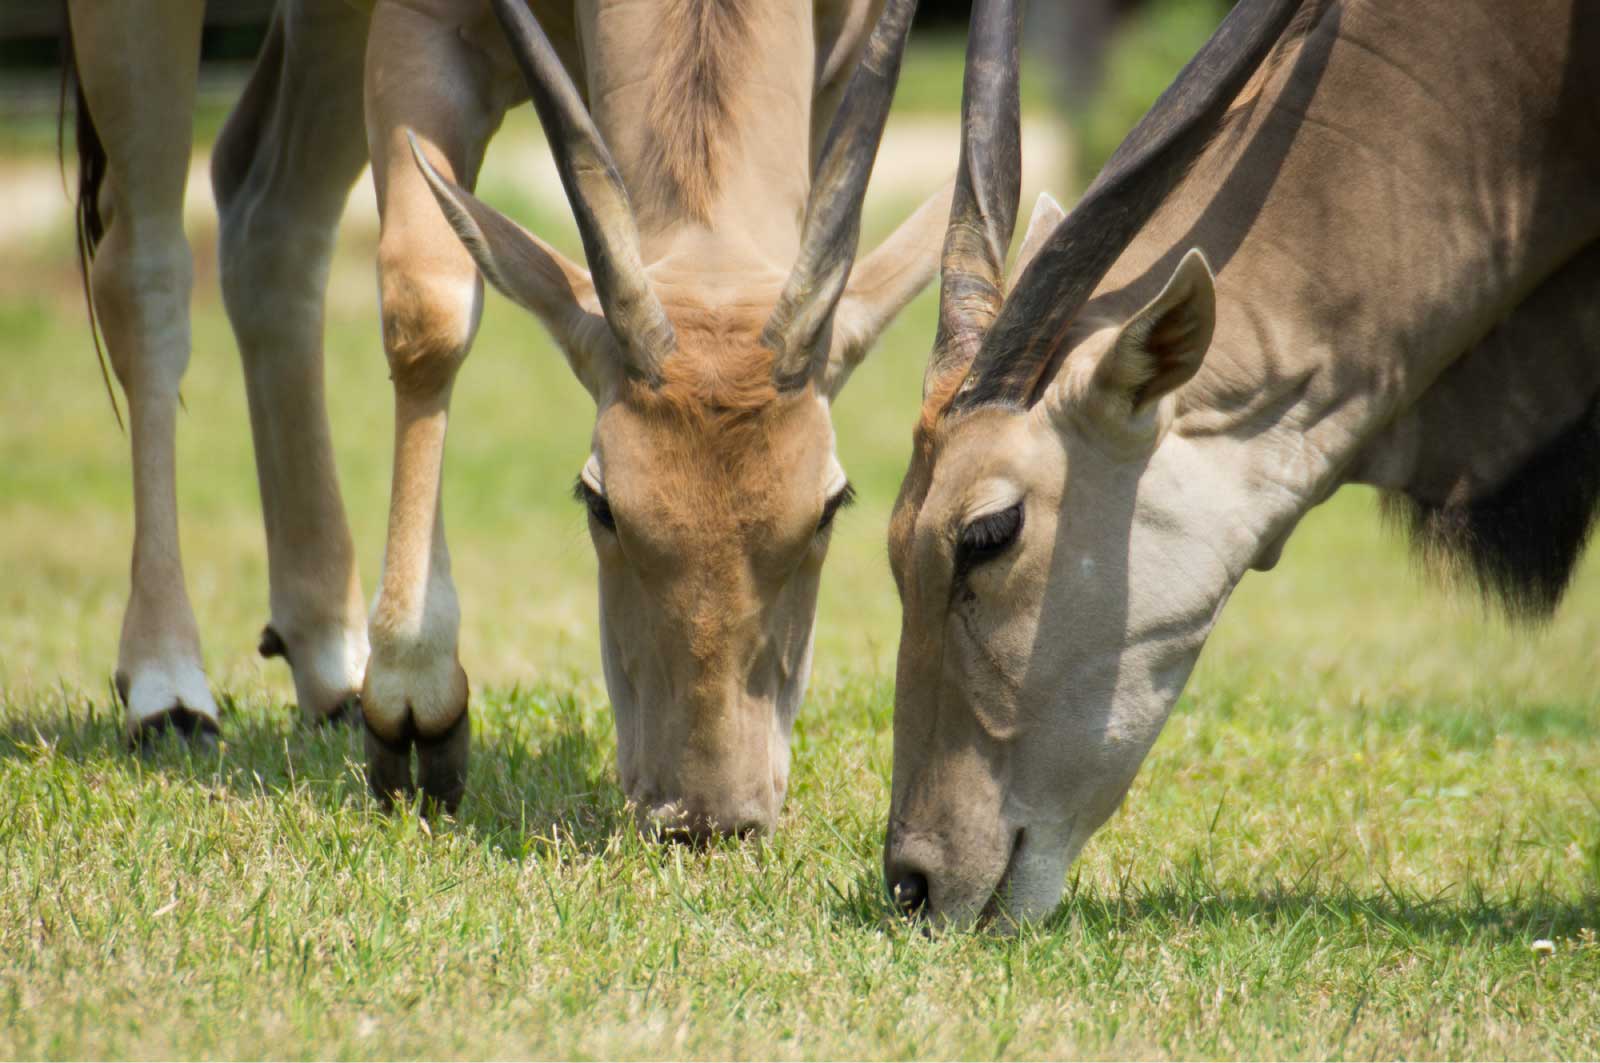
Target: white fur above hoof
pixel 327 668
pixel 163 700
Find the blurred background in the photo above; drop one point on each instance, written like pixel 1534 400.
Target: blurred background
pixel 1095 60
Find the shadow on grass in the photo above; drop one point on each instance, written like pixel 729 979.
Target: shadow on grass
pixel 1186 901
pixel 541 775
pixel 1465 915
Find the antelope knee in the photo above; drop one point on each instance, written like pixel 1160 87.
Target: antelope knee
pixel 429 320
pixel 141 283
pixel 274 268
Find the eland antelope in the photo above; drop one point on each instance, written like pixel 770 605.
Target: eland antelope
pixel 718 319
pixel 1355 242
pixel 715 152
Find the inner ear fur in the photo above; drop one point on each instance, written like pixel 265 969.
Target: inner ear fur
pixel 1161 346
pixel 882 283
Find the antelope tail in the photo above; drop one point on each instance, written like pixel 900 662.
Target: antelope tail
pixel 90 224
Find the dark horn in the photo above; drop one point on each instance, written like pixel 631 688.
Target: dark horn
pixel 599 201
pixel 1012 364
pixel 988 188
pixel 833 210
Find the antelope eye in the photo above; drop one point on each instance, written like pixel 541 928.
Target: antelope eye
pixel 988 536
pixel 844 497
pixel 596 504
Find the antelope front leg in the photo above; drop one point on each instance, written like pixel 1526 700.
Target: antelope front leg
pixel 137 63
pixel 282 170
pixel 421 75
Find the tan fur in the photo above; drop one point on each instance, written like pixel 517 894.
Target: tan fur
pixel 721 370
pixel 936 401
pixel 1402 216
pixel 283 165
pixel 718 483
pixel 696 73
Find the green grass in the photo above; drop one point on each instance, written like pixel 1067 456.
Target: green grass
pixel 1369 804
pixel 1143 58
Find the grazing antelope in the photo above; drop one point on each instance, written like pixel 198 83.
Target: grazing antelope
pixel 1401 203
pixel 719 319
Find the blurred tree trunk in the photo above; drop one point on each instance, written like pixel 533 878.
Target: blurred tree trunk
pixel 1069 38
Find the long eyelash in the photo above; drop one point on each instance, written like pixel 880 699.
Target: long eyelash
pixel 987 537
pixel 839 501
pixel 597 504
pixel 991 531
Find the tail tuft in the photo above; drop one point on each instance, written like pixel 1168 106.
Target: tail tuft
pixel 92 164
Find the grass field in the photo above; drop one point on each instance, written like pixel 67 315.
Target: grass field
pixel 1371 802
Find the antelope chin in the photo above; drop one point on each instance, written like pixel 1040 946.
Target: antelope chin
pixel 998 913
pixel 1033 883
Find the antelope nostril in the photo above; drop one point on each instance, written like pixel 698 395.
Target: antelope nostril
pixel 909 891
pixel 672 823
pixel 749 827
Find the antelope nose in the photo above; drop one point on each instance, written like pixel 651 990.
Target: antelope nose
pixel 908 889
pixel 671 822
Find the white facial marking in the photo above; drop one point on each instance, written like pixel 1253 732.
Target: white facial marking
pixel 591 475
pixel 837 480
pixel 990 496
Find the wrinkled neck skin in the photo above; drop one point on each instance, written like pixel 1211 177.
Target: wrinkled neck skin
pixel 1386 250
pixel 1390 187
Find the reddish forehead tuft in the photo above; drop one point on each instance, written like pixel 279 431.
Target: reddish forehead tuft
pixel 716 398
pixel 718 384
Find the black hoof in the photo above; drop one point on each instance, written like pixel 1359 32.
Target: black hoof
pixel 198 729
pixel 389 769
pixel 272 645
pixel 442 765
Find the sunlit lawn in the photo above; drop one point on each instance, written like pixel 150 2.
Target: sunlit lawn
pixel 1368 806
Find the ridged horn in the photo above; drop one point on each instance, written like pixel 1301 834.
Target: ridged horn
pixel 599 201
pixel 1011 364
pixel 833 210
pixel 983 213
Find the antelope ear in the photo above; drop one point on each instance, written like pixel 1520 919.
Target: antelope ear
pixel 1162 345
pixel 1047 214
pixel 527 271
pixel 883 282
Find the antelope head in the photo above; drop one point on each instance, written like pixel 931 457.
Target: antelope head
pixel 1053 601
pixel 712 483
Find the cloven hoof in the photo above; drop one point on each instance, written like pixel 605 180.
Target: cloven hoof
pixel 198 729
pixel 441 767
